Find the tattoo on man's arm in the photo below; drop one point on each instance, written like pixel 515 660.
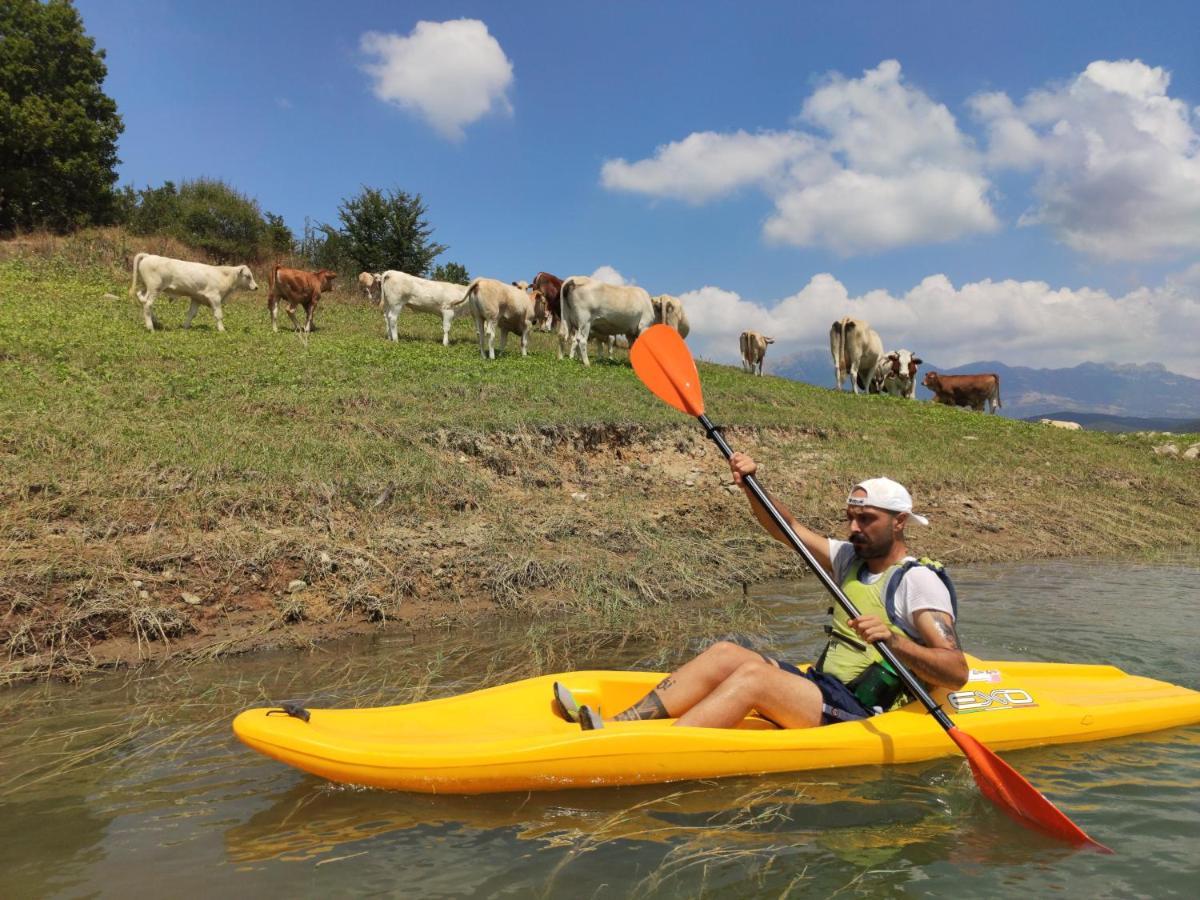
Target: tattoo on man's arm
pixel 944 625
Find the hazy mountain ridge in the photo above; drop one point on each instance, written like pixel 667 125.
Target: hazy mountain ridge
pixel 1142 390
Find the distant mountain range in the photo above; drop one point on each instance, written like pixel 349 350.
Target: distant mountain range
pixel 1101 396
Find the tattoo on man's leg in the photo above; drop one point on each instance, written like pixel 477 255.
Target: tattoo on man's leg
pixel 664 684
pixel 649 707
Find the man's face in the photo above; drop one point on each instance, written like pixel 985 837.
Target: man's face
pixel 872 531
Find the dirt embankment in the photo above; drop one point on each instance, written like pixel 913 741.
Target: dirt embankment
pixel 607 520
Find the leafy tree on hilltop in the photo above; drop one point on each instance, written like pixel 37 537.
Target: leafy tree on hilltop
pixel 207 214
pixel 455 273
pixel 58 129
pixel 387 231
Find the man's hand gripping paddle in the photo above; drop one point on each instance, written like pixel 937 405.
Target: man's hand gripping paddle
pixel 663 362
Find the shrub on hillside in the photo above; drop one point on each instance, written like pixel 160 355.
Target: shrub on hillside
pixel 210 215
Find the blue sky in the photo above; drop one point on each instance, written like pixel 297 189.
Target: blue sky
pixel 1012 180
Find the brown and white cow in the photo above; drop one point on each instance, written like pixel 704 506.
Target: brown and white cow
pixel 896 374
pixel 295 287
pixel 550 286
pixel 199 282
pixel 504 307
pixel 669 310
pixel 856 350
pixel 754 348
pixel 596 309
pixel 965 390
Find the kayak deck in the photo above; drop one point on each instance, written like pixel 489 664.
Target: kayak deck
pixel 510 737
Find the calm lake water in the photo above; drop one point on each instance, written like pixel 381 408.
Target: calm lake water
pixel 134 786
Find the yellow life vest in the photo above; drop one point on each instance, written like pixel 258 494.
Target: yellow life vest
pixel 854 662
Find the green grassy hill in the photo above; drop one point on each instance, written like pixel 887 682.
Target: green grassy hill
pixel 164 491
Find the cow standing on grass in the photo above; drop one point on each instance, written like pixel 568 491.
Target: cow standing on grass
pixel 368 286
pixel 199 282
pixel 440 298
pixel 965 390
pixel 596 309
pixel 896 374
pixel 754 350
pixel 506 308
pixel 856 350
pixel 550 286
pixel 669 310
pixel 295 287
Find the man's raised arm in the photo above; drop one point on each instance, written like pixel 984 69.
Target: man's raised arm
pixel 817 544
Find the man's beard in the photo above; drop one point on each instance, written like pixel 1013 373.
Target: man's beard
pixel 865 550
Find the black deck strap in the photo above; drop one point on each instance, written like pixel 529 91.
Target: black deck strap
pixel 295 710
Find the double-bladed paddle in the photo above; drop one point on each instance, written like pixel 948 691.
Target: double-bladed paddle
pixel 664 364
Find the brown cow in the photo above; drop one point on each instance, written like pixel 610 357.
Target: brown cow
pixel 965 390
pixel 295 287
pixel 550 286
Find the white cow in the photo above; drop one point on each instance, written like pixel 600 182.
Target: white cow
pixel 496 305
pixel 856 350
pixel 199 282
pixel 669 310
pixel 440 298
pixel 368 285
pixel 754 349
pixel 595 309
pixel 1059 423
pixel 896 374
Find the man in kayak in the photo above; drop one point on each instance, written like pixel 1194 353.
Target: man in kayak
pixel 907 603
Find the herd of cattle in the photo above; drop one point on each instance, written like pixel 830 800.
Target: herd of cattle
pixel 578 309
pixel 857 352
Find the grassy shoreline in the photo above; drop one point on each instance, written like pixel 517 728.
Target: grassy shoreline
pixel 161 492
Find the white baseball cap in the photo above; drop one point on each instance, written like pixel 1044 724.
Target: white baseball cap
pixel 883 493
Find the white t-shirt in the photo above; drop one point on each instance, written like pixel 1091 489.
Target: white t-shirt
pixel 919 589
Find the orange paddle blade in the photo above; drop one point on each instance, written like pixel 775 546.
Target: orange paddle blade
pixel 1004 786
pixel 663 362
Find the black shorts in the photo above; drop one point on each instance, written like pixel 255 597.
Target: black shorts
pixel 838 704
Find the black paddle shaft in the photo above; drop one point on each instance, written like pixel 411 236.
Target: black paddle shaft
pixel 843 601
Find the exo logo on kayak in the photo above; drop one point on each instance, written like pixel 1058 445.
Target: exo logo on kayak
pixel 978 701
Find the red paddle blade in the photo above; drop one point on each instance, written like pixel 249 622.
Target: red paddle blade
pixel 664 363
pixel 1001 784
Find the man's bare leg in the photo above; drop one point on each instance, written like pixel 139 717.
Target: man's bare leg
pixel 692 682
pixel 786 699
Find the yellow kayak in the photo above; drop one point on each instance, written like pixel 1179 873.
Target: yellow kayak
pixel 510 738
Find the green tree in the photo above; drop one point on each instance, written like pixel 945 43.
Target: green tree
pixel 455 273
pixel 58 129
pixel 280 239
pixel 387 231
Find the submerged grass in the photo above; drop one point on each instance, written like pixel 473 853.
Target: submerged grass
pixel 418 483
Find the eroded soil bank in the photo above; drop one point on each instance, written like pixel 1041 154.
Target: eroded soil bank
pixel 613 521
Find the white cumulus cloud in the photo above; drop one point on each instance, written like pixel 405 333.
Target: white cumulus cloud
pixel 449 73
pixel 1116 159
pixel 1026 323
pixel 883 166
pixel 706 165
pixel 609 275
